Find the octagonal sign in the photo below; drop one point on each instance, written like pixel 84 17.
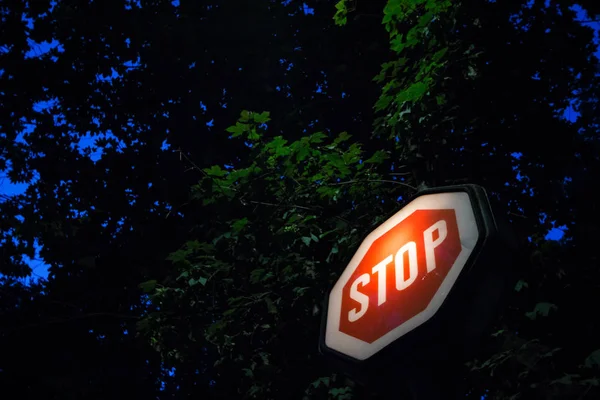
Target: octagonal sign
pixel 401 274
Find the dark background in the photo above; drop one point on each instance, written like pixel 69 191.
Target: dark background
pixel 109 110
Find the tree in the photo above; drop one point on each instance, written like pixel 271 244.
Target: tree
pixel 467 104
pixel 455 106
pixel 101 103
pixel 472 91
pixel 249 282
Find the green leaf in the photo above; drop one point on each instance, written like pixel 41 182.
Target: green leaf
pixel 338 162
pixel 590 382
pixel 413 93
pixel 299 291
pixel 321 381
pixel 201 246
pixel 239 224
pixel 314 238
pixel 471 73
pixel 397 44
pixel 344 393
pixel 215 170
pixel 179 255
pixel 342 137
pixel 352 155
pixel 327 191
pixel 270 306
pixel 237 174
pixel 498 333
pixel 254 389
pixel 309 218
pixel 277 146
pixel 238 129
pixel 253 134
pixel 201 280
pixel 262 118
pixel 425 19
pixel 317 137
pixel 264 357
pixel 593 360
pixel 383 102
pixel 334 250
pixel 412 37
pixel 184 274
pixel 567 379
pixel 439 54
pixel 520 285
pixel 302 153
pixel 256 275
pixel 377 158
pixel 322 235
pixel 306 240
pixel 148 286
pixel 244 116
pixel 340 16
pixel 542 309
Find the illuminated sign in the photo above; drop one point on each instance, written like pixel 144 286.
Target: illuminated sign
pixel 401 274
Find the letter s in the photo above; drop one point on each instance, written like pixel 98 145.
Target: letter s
pixel 362 298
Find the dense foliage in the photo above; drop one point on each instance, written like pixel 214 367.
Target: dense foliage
pixel 190 242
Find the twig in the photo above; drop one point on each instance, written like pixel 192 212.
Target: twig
pixel 517 215
pixel 202 171
pixel 176 208
pixel 373 180
pixel 584 394
pixel 279 205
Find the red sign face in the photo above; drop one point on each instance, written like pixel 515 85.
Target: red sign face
pixel 401 274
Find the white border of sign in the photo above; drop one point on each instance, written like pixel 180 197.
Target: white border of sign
pixel 467 229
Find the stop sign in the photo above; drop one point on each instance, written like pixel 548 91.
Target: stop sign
pixel 401 274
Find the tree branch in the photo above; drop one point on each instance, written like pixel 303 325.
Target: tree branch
pixel 282 205
pixel 194 166
pixel 374 180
